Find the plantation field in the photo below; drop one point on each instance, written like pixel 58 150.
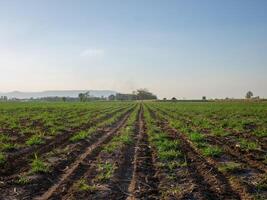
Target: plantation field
pixel 133 150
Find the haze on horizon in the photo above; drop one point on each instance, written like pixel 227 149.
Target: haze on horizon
pixel 183 48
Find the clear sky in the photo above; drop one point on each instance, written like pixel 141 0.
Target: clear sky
pixel 182 48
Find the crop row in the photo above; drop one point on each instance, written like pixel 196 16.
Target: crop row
pixel 243 166
pixel 16 146
pixel 146 150
pixel 42 169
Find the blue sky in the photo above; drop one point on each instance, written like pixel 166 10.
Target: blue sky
pixel 182 48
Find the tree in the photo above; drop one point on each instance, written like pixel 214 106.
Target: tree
pixel 249 95
pixel 204 98
pixel 84 96
pixel 87 95
pixel 144 94
pixel 81 97
pixel 125 97
pixel 64 99
pixel 111 97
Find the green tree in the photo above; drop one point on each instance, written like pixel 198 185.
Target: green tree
pixel 249 95
pixel 144 94
pixel 84 96
pixel 81 97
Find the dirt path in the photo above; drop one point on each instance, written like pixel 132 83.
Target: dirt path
pixel 144 182
pixel 120 182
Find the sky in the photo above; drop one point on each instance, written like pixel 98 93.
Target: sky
pixel 174 48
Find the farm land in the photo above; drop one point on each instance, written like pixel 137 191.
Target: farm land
pixel 133 150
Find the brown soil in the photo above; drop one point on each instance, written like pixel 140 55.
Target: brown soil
pixel 144 181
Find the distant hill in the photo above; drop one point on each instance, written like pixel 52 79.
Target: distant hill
pixel 54 93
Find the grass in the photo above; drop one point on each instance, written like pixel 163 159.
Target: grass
pixel 124 138
pixel 248 145
pixel 164 144
pixel 207 150
pixel 2 159
pixel 23 180
pixel 80 136
pixel 8 146
pixel 82 186
pixel 111 147
pixel 35 140
pixel 83 135
pixel 169 155
pixel 4 138
pixel 212 151
pixel 167 149
pixel 196 137
pixel 173 191
pixel 174 164
pixel 54 130
pixel 261 133
pixel 230 167
pixel 221 132
pixel 38 166
pixel 105 171
pixel 261 187
pixel 109 121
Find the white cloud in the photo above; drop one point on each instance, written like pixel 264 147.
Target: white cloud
pixel 92 52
